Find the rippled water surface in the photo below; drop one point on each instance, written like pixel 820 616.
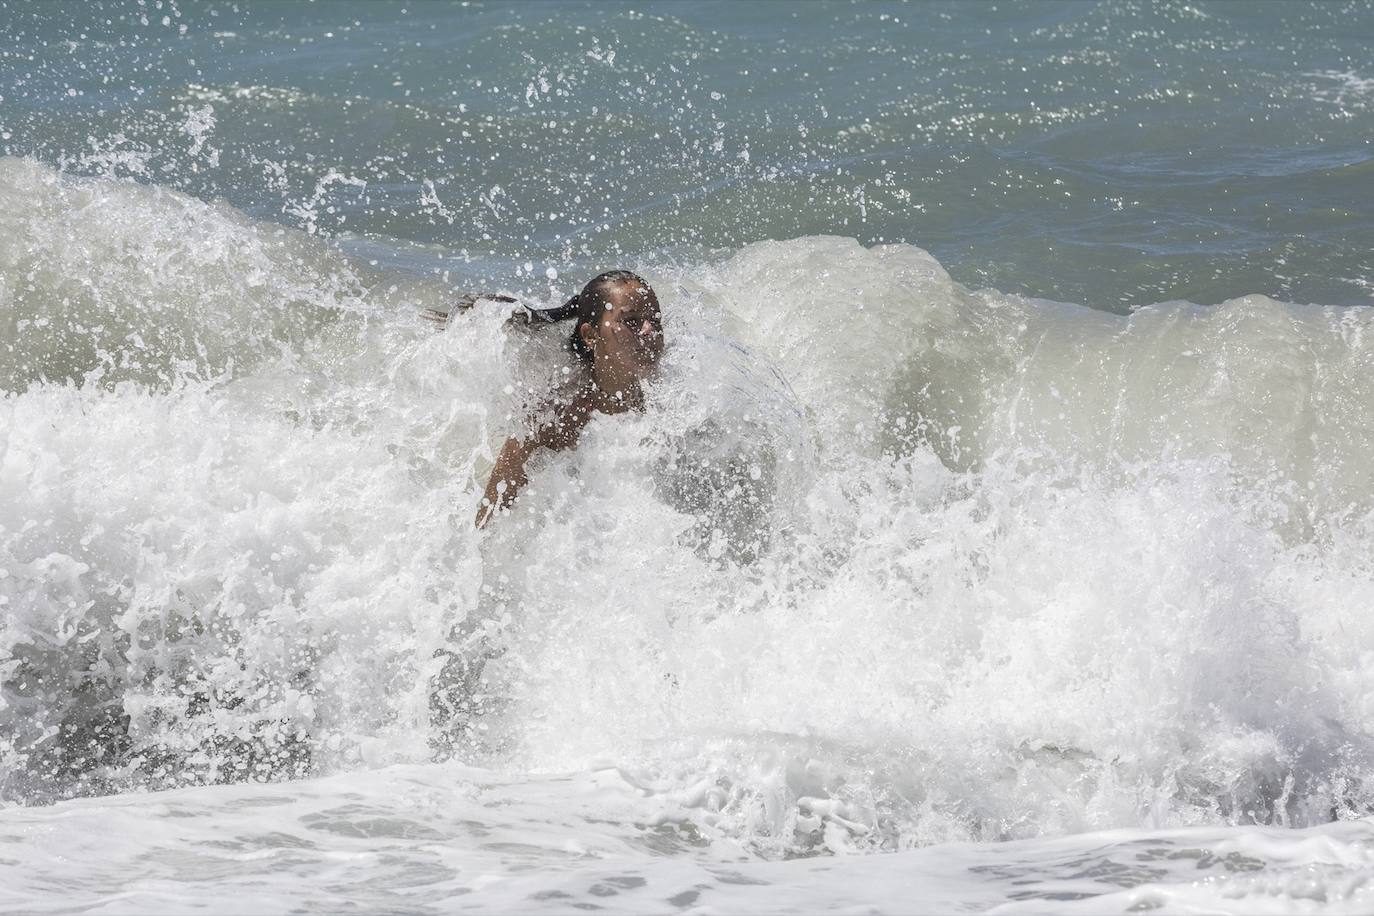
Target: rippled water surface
pixel 1112 153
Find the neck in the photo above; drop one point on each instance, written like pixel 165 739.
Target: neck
pixel 616 395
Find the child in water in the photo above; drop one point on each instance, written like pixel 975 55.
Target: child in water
pixel 618 337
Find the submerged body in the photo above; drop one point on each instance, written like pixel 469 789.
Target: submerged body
pixel 618 337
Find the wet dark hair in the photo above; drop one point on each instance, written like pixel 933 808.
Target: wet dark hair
pixel 587 305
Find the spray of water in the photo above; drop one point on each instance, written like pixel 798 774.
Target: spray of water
pixel 886 561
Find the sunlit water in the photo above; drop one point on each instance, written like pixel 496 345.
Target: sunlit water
pixel 915 587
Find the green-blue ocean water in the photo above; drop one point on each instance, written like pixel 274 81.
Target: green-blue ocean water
pixel 1111 153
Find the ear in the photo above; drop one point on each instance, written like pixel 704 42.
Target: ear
pixel 587 331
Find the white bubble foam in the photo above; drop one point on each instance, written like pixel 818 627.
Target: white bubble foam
pixel 949 566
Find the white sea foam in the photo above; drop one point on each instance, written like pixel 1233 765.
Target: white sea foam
pixel 1343 87
pixel 887 563
pixel 444 838
pixel 104 281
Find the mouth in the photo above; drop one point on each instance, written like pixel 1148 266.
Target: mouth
pixel 645 361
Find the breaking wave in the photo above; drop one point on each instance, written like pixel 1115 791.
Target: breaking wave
pixel 888 561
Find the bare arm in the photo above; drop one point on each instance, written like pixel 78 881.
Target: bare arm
pixel 508 476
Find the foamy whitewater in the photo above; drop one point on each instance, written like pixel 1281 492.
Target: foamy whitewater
pixel 904 594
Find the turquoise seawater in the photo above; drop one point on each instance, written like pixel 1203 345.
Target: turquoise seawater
pixel 1110 153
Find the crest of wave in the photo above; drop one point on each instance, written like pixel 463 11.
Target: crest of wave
pixel 104 281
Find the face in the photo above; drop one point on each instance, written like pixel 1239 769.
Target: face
pixel 627 341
